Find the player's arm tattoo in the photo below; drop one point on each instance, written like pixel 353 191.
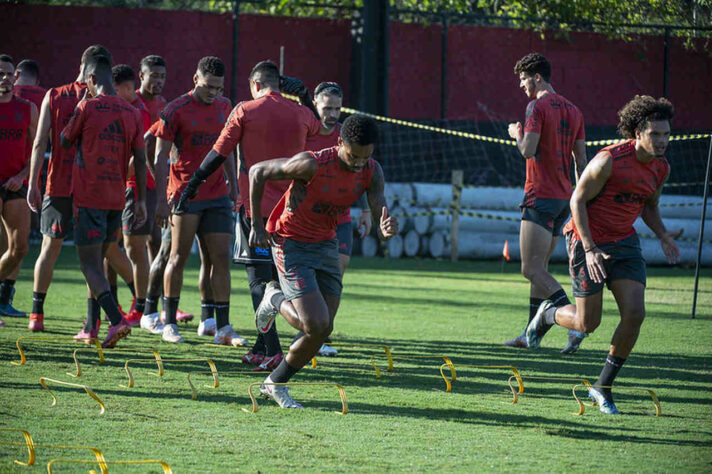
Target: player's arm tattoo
pixel 592 181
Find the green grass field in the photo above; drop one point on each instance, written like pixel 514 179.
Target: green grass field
pixel 404 421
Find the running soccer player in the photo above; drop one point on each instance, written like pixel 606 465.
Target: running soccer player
pixel 193 122
pixel 269 126
pixel 302 232
pixel 18 124
pixel 108 131
pixel 622 182
pixel 552 132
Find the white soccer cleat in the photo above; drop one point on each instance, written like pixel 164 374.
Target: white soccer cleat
pixel 152 323
pixel 171 334
pixel 327 351
pixel 227 337
pixel 266 311
pixel 208 327
pixel 278 393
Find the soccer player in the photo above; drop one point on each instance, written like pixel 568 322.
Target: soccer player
pixel 152 77
pixel 193 122
pixel 302 232
pixel 622 182
pixel 18 124
pixel 108 131
pixel 27 82
pixel 269 126
pixel 553 130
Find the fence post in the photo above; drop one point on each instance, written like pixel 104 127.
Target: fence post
pixel 702 229
pixel 457 179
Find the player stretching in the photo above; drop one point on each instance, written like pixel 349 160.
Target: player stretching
pixel 18 124
pixel 622 182
pixel 193 122
pixel 270 126
pixel 108 132
pixel 302 232
pixel 552 131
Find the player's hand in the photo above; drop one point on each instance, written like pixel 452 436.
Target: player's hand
pixel 34 199
pixel 388 224
pixel 13 184
pixel 188 193
pixel 672 253
pixel 139 214
pixel 515 130
pixel 594 261
pixel 259 237
pixel 292 85
pixel 163 213
pixel 364 223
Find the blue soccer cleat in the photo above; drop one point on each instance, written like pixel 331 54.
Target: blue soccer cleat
pixel 606 406
pixel 8 310
pixel 538 327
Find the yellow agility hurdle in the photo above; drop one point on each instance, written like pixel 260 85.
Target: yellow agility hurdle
pixel 342 394
pixel 23 358
pixel 101 357
pixel 31 445
pixel 448 383
pixel 194 395
pixel 385 348
pixel 445 359
pixel 656 401
pixel 44 380
pixel 536 377
pixel 28 442
pixel 166 468
pixel 160 361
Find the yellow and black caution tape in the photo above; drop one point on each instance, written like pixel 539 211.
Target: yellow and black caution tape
pixel 674 138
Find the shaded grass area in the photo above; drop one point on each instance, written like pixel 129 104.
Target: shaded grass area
pixel 403 421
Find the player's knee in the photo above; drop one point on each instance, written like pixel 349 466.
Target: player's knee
pixel 589 326
pixel 529 270
pixel 633 318
pixel 318 327
pixel 19 249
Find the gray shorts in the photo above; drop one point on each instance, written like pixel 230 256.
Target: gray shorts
pixel 96 226
pixel 215 215
pixel 548 213
pixel 304 267
pixel 127 217
pixel 56 217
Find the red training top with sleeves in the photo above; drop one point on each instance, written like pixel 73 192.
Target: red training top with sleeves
pixel 559 124
pixel 193 128
pixel 62 101
pixel 612 213
pixel 265 128
pixel 107 128
pixel 154 107
pixel 34 94
pixel 310 212
pixel 15 119
pixel 146 125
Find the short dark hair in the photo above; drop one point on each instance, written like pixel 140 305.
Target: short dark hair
pixel 329 88
pixel 640 111
pixel 123 73
pixel 6 58
pixel 96 50
pixel 359 130
pixel 268 72
pixel 534 63
pixel 211 65
pixel 29 67
pixel 152 60
pixel 99 66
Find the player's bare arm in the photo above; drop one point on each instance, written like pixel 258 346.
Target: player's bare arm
pixel 163 153
pixel 15 182
pixel 365 220
pixel 526 142
pixel 580 159
pixel 591 183
pixel 387 224
pixel 34 196
pixel 139 162
pixel 651 217
pixel 230 167
pixel 150 141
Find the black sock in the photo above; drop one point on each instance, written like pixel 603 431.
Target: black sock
pixel 271 339
pixel 110 306
pixel 559 298
pixel 534 306
pixel 114 292
pixel 259 346
pixel 140 305
pixel 38 302
pixel 6 291
pixel 222 314
pixel 207 309
pixel 151 305
pixel 170 306
pixel 93 314
pixel 608 374
pixel 131 287
pixel 283 372
pixel 277 300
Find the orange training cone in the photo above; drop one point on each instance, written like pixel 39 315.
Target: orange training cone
pixel 505 251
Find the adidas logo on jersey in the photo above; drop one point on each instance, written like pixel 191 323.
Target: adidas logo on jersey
pixel 113 132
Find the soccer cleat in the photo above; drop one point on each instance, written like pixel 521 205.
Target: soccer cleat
pixel 537 327
pixel 8 310
pixel 208 327
pixel 575 339
pixel 606 406
pixel 266 311
pixel 83 334
pixel 115 333
pixel 252 358
pixel 268 364
pixel 36 322
pixel 134 317
pixel 327 351
pixel 519 341
pixel 171 334
pixel 278 393
pixel 227 337
pixel 152 323
pixel 181 317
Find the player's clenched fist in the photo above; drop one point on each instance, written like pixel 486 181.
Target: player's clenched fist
pixel 388 224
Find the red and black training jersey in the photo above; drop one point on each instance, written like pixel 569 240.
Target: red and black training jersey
pixel 612 213
pixel 154 107
pixel 34 94
pixel 62 101
pixel 15 119
pixel 559 124
pixel 309 212
pixel 193 128
pixel 106 128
